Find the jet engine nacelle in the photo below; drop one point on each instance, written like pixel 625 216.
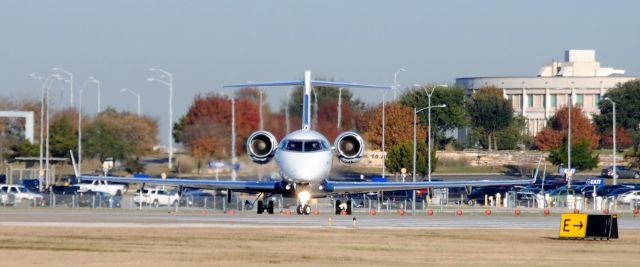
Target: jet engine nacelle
pixel 349 147
pixel 261 146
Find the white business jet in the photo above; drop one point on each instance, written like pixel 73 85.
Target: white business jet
pixel 304 159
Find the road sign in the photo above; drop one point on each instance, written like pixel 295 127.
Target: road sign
pixel 216 164
pixel 567 171
pixel 573 225
pixel 594 181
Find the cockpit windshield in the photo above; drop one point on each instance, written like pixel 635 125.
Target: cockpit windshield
pixel 294 145
pixel 304 145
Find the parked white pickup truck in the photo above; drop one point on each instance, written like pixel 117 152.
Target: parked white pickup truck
pixel 103 186
pixel 155 197
pixel 19 194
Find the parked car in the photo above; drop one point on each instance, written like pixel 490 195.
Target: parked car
pixel 196 198
pixel 477 193
pixel 155 197
pixel 104 186
pixel 32 184
pixel 601 190
pixel 20 194
pixel 622 171
pixel 617 192
pixel 61 195
pixel 97 199
pixel 629 197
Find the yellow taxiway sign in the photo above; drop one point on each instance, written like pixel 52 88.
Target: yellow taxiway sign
pixel 573 226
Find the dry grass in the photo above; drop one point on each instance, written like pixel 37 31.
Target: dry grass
pixel 28 246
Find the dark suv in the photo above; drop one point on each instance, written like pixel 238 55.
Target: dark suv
pixel 622 171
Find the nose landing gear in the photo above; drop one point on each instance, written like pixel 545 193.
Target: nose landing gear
pixel 303 209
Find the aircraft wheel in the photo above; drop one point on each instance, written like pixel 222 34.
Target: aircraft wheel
pixel 338 203
pixel 306 209
pixel 348 207
pixel 299 209
pixel 270 207
pixel 260 207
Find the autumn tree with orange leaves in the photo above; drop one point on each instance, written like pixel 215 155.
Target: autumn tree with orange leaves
pixel 398 125
pixel 552 136
pixel 206 128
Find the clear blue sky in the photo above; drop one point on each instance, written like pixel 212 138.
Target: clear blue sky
pixel 210 43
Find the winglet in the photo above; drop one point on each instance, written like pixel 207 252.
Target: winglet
pixel 75 167
pixel 535 175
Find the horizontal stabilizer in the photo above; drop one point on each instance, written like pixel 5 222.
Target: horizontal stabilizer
pixel 350 85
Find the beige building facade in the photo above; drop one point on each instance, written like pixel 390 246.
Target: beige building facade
pixel 578 79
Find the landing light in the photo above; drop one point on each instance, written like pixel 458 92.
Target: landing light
pixel 304 197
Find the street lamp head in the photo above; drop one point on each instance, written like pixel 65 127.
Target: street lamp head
pixel 607 98
pixel 402 69
pixel 57 77
pixel 123 90
pixel 152 69
pixel 151 79
pixel 35 76
pixel 441 106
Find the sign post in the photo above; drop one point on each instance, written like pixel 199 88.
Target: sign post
pixel 595 182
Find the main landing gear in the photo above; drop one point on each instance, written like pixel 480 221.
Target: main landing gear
pixel 303 209
pixel 343 207
pixel 262 207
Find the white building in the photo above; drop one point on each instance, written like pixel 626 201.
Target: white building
pixel 537 98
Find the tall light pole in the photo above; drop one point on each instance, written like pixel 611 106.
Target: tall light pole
pixel 43 86
pixel 429 116
pixel 286 113
pixel 415 118
pixel 167 79
pixel 339 123
pixel 615 173
pixel 93 80
pixel 395 83
pixel 57 77
pixel 315 108
pixel 123 90
pixel 233 137
pixel 260 104
pixel 384 103
pixel 84 85
pixel 570 175
pixel 68 73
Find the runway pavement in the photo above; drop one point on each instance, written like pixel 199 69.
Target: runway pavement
pixel 194 219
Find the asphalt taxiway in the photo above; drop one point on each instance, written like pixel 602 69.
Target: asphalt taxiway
pixel 200 219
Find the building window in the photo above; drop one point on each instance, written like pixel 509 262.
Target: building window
pixel 554 100
pixel 580 100
pixel 596 100
pixel 530 100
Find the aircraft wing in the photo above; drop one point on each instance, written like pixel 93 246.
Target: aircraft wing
pixel 301 82
pixel 261 186
pixel 364 187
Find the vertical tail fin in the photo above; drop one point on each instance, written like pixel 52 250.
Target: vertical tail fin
pixel 75 167
pixel 306 98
